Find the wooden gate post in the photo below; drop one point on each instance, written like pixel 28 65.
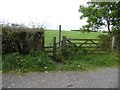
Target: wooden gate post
pixel 54 47
pixel 59 36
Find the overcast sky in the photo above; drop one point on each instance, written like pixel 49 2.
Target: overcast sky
pixel 50 13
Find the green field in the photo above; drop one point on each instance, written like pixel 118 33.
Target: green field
pixel 49 34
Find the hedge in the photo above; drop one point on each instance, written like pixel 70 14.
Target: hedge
pixel 22 40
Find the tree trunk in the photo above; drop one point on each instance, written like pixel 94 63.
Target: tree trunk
pixel 108 26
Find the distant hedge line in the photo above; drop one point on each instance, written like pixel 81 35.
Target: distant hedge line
pixel 22 40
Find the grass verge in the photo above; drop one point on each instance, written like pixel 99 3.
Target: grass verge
pixel 89 62
pixel 41 62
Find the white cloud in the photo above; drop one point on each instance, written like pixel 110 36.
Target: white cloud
pixel 52 12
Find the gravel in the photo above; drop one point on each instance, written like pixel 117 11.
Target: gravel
pixel 101 78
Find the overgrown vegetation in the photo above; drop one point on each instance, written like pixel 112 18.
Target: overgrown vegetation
pixel 24 63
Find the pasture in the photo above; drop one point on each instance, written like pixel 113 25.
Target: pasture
pixel 49 34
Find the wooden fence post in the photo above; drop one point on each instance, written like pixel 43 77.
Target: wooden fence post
pixel 54 47
pixel 64 42
pixel 113 43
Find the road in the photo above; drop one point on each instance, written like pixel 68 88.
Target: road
pixel 101 78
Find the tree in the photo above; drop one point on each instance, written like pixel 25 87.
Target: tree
pixel 101 14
